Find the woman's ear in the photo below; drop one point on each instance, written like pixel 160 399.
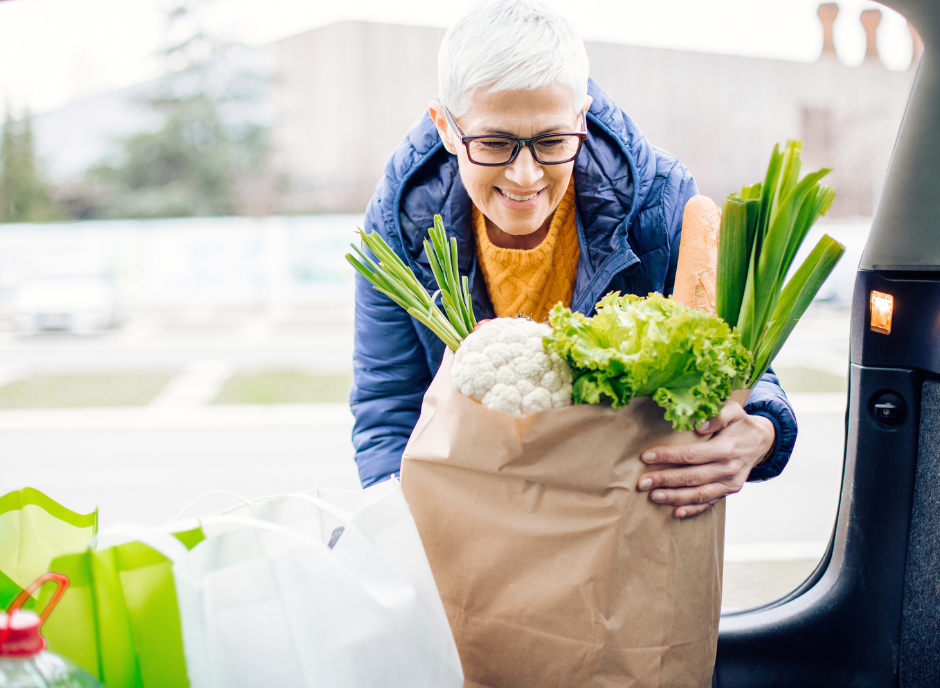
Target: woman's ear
pixel 587 103
pixel 436 110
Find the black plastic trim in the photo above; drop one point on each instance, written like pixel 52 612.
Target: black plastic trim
pixel 914 341
pixel 843 627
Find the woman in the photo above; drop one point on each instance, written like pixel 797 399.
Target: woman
pixel 553 194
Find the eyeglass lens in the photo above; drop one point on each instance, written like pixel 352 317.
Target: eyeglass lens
pixel 493 151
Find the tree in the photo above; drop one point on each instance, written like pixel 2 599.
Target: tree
pixel 24 196
pixel 202 160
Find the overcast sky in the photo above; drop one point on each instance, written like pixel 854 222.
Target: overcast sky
pixel 55 51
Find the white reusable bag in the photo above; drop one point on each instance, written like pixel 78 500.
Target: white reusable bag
pixel 379 512
pixel 264 601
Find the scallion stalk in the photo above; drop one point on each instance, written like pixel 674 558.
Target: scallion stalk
pixel 390 276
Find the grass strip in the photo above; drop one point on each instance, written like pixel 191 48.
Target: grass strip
pixel 83 390
pixel 284 387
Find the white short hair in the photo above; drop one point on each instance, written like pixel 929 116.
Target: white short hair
pixel 507 45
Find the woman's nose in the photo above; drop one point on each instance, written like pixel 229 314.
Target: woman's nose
pixel 524 170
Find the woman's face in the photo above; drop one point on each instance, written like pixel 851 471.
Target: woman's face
pixel 518 198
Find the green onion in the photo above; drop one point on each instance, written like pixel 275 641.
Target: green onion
pixel 762 228
pixel 397 281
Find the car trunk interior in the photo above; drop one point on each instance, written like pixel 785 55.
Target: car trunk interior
pixel 870 614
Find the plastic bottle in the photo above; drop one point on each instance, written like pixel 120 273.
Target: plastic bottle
pixel 24 661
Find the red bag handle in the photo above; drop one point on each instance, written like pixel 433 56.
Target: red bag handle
pixel 62 582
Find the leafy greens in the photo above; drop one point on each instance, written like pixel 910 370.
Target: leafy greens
pixel 686 359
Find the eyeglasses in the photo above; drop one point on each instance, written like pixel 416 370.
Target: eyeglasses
pixel 496 151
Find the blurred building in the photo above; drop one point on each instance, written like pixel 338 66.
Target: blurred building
pixel 344 95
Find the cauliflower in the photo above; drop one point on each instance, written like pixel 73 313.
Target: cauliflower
pixel 504 365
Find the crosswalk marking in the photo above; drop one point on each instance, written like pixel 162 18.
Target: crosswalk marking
pixel 198 384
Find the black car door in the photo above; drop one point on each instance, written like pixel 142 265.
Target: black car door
pixel 870 614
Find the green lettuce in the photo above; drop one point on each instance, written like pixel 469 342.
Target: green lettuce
pixel 686 359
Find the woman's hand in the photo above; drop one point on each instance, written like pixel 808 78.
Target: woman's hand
pixel 701 474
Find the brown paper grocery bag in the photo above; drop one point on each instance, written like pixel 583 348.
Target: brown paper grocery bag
pixel 553 569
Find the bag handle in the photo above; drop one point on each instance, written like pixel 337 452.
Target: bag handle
pixel 61 581
pixel 333 510
pixel 262 525
pixel 164 543
pixel 341 515
pixel 247 502
pixel 174 550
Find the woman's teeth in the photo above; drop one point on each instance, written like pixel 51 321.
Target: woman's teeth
pixel 519 198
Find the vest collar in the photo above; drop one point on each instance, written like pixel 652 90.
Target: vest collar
pixel 613 176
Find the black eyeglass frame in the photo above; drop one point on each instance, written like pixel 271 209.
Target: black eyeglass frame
pixel 519 143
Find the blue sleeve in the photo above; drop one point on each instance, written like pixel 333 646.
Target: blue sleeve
pixel 769 400
pixel 687 189
pixel 390 375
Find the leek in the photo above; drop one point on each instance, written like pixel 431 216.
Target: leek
pixel 762 228
pixel 795 299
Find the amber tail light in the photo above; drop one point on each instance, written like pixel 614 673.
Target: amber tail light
pixel 882 306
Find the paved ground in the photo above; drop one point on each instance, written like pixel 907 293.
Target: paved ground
pixel 316 337
pixel 141 465
pixel 147 463
pixel 751 583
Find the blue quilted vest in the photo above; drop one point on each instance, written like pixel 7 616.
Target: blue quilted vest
pixel 629 197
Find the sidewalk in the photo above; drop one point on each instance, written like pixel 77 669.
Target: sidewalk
pixel 145 463
pixel 157 417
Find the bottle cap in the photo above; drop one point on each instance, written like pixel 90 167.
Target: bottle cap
pixel 19 628
pixel 19 634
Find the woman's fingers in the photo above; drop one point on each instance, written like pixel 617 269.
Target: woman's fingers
pixel 730 413
pixel 699 494
pixel 703 452
pixel 689 477
pixel 694 477
pixel 686 511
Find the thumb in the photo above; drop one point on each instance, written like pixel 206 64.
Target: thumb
pixel 707 427
pixel 729 414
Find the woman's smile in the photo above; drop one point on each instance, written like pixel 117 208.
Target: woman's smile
pixel 519 200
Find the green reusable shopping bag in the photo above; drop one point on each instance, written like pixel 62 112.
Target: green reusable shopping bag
pixel 119 618
pixel 35 529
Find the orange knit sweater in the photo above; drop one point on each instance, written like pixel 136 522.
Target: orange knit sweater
pixel 529 282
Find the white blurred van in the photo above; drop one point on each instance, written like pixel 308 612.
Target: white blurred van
pixel 77 296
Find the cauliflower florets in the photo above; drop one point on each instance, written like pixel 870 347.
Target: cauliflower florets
pixel 505 366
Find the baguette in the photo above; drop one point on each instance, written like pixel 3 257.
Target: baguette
pixel 698 255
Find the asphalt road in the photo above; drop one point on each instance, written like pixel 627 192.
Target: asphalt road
pixel 148 475
pixel 144 465
pixel 776 530
pixel 314 337
pixel 311 336
pixel 148 471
